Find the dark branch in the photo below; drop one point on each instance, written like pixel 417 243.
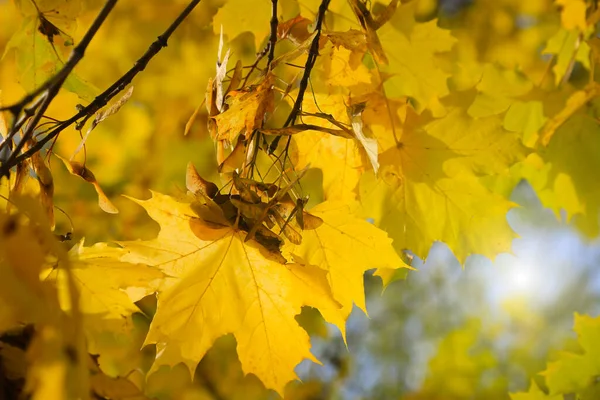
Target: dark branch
pixel 102 99
pixel 48 91
pixel 273 35
pixel 310 62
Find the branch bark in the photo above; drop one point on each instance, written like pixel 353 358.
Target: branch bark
pixel 310 63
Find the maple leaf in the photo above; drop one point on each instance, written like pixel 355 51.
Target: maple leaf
pixel 567 47
pixel 572 14
pixel 23 249
pixel 497 88
pixel 35 48
pixel 412 58
pixel 526 117
pixel 238 16
pixel 426 189
pixel 246 111
pixel 574 372
pixel 345 246
pixel 220 284
pixel 534 393
pixel 563 178
pixel 486 148
pixel 340 160
pixel 108 289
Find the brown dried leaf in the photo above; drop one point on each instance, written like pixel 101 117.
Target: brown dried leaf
pixel 79 169
pixel 235 160
pixel 46 182
pixel 246 111
pixel 244 189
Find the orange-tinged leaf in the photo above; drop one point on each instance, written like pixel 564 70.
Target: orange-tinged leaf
pixel 246 110
pixel 220 284
pixel 44 177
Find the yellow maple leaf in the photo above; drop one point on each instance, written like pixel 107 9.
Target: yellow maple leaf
pixel 340 159
pixel 412 58
pixel 23 249
pixel 534 393
pixel 220 284
pixel 480 146
pixel 573 372
pixel 426 190
pixel 566 182
pixel 568 48
pixel 238 16
pixel 572 14
pixel 345 246
pixel 497 88
pixel 108 289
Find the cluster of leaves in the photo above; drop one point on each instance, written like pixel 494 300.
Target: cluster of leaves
pixel 347 111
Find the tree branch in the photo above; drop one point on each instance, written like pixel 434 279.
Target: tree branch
pixel 74 58
pixel 102 99
pixel 310 62
pixel 48 90
pixel 273 35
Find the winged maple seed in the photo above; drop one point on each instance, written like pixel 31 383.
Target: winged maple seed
pixel 264 211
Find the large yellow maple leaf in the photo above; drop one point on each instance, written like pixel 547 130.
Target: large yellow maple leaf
pixel 565 176
pixel 220 284
pixel 428 190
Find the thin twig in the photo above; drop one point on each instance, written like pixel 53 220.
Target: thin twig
pixel 102 99
pixel 310 62
pixel 50 89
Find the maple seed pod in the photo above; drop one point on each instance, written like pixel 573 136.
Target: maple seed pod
pixel 196 184
pixel 46 182
pixel 77 168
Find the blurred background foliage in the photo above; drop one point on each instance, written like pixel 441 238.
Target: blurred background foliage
pixel 443 332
